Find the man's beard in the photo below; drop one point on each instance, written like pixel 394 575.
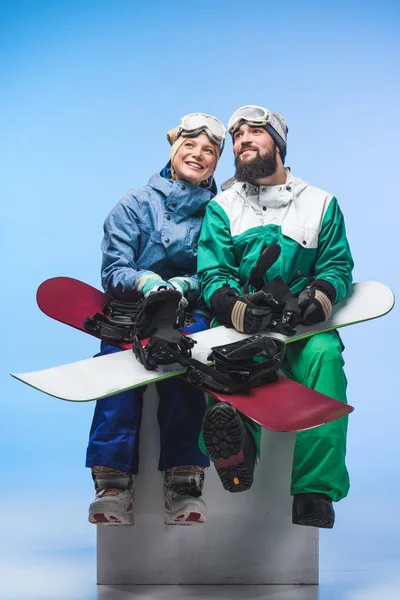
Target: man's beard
pixel 259 167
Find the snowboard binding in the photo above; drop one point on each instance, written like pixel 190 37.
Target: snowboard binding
pixel 239 366
pixel 284 307
pixel 267 258
pixel 126 321
pixel 160 316
pixel 164 349
pixel 116 322
pixel 275 294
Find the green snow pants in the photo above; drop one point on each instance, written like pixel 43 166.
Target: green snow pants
pixel 319 453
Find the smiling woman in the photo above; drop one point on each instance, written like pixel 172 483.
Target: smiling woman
pixel 150 243
pixel 195 159
pixel 196 145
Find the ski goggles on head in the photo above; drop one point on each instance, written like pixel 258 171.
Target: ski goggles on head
pixel 195 123
pixel 257 115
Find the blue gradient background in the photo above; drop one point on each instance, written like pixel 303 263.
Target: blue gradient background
pixel 88 91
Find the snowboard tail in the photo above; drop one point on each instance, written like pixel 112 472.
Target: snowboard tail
pixel 286 405
pixel 71 302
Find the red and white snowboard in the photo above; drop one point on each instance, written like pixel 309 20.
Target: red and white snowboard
pixel 282 406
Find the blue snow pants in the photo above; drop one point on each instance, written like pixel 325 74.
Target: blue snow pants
pixel 115 431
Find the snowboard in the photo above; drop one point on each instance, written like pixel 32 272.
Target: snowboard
pixel 70 301
pixel 282 406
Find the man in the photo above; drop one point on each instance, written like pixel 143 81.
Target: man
pixel 266 204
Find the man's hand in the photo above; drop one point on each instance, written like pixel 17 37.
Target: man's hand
pixel 239 312
pixel 246 317
pixel 316 302
pixel 285 309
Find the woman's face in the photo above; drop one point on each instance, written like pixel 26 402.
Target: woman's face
pixel 195 159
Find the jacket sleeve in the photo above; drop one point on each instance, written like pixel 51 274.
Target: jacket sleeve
pixel 216 265
pixel 119 272
pixel 334 261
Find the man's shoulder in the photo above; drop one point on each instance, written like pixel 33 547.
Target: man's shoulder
pixel 228 183
pixel 302 187
pixel 230 189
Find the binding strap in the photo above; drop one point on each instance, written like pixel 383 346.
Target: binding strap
pixel 239 366
pixel 164 349
pixel 125 321
pixel 116 322
pixel 159 318
pixel 284 306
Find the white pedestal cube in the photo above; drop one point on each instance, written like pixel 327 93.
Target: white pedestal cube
pixel 248 537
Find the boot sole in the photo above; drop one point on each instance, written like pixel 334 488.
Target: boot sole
pixel 100 514
pixel 224 438
pixel 188 515
pixel 111 520
pixel 320 521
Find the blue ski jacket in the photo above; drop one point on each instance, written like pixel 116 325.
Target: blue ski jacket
pixel 153 229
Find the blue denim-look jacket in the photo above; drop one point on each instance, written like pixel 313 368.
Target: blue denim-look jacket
pixel 153 228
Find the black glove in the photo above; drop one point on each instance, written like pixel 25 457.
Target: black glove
pixel 316 302
pixel 239 311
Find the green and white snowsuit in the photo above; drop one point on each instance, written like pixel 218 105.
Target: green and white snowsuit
pixel 308 225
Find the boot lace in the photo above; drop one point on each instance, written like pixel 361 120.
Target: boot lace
pixel 191 486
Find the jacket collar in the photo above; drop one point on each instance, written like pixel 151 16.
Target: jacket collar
pixel 180 196
pixel 268 195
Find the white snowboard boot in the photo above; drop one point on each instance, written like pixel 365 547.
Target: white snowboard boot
pixel 182 490
pixel 114 501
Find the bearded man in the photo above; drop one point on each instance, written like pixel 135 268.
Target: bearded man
pixel 266 204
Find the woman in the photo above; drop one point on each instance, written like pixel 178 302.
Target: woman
pixel 150 242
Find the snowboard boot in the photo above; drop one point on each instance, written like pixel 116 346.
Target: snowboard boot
pixel 314 510
pixel 231 447
pixel 114 497
pixel 183 487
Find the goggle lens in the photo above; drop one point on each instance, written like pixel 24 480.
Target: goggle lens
pixel 199 121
